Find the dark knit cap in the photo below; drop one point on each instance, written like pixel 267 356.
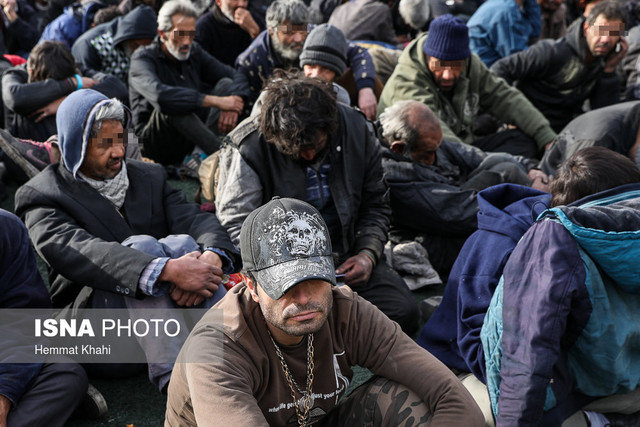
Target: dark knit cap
pixel 325 45
pixel 448 39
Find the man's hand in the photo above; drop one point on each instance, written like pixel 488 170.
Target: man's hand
pixel 9 9
pixel 367 102
pixel 228 121
pixel 184 298
pixel 224 103
pixel 356 269
pixel 211 258
pixel 5 407
pixel 188 273
pixel 48 110
pixel 540 180
pixel 242 17
pixel 614 58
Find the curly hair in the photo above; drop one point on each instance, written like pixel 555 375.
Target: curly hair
pixel 296 110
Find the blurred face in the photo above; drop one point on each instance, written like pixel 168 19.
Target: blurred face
pixel 300 311
pixel 228 7
pixel 132 45
pixel 602 35
pixel 177 41
pixel 446 73
pixel 288 39
pixel 429 140
pixel 105 152
pixel 318 71
pixel 310 153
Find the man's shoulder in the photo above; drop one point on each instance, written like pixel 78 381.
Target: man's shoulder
pixel 240 135
pixel 257 50
pixel 149 51
pixel 136 167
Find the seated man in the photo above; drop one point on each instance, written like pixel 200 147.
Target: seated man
pixel 306 145
pixel 500 28
pixel 439 70
pixel 19 30
pixel 562 326
pixel 616 127
pixel 226 30
pixel 108 47
pixel 85 212
pixel 559 76
pixel 32 92
pixel 31 394
pixel 287 326
pixel 170 82
pixel 280 47
pixel 434 183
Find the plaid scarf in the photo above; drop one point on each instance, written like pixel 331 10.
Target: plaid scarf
pixel 114 60
pixel 114 190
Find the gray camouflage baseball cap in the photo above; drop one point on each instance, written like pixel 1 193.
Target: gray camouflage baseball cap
pixel 285 242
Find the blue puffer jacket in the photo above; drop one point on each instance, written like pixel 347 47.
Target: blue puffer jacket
pixel 452 334
pixel 564 323
pixel 500 27
pixel 71 24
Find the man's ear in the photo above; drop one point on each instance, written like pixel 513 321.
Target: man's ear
pixel 252 287
pixel 585 28
pixel 398 147
pixel 163 35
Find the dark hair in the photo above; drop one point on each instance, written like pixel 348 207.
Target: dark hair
pixel 296 109
pixel 589 171
pixel 106 14
pixel 610 9
pixel 50 60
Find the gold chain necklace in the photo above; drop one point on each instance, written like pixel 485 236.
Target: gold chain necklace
pixel 302 415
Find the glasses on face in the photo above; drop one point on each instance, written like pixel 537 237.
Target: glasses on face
pixel 179 34
pixel 289 30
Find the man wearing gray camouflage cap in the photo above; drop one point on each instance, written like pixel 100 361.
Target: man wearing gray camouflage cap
pixel 284 350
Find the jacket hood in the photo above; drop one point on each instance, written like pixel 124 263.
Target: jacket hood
pixel 140 23
pixel 74 121
pixel 510 209
pixel 607 227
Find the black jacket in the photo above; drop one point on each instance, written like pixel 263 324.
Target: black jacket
pixel 219 36
pixel 78 232
pixel 22 99
pixel 553 75
pixel 21 35
pixel 255 171
pixel 173 87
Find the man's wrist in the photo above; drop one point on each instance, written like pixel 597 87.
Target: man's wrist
pixel 370 255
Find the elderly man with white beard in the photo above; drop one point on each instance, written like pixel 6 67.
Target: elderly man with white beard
pixel 280 46
pixel 172 110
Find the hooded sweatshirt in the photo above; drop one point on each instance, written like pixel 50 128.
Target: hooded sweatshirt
pixel 101 48
pixel 564 321
pixel 452 334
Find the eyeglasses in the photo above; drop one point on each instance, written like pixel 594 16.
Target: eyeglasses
pixel 289 30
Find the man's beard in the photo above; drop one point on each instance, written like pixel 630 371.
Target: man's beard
pixel 175 52
pixel 286 52
pixel 227 12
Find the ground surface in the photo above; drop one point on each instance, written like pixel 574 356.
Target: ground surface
pixel 134 401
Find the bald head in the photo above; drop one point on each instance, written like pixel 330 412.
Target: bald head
pixel 412 129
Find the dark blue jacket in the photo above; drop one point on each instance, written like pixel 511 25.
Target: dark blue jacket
pixel 258 61
pixel 452 334
pixel 20 287
pixel 75 20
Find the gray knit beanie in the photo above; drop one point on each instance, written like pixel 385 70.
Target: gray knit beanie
pixel 325 45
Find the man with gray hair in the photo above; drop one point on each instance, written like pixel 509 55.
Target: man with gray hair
pixel 280 46
pixel 114 233
pixel 170 81
pixel 434 183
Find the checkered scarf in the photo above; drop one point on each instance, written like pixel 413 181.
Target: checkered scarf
pixel 114 60
pixel 114 189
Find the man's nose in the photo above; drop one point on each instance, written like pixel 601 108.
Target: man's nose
pixel 447 74
pixel 301 294
pixel 299 37
pixel 308 154
pixel 118 150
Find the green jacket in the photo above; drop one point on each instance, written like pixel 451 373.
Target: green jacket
pixel 478 89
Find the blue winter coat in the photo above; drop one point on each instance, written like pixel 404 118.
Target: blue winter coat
pixel 75 20
pixel 564 322
pixel 500 27
pixel 452 334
